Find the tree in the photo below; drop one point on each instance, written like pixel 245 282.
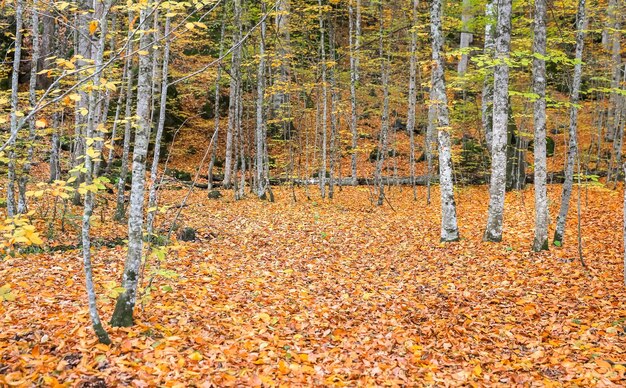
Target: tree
pixel 439 100
pixel 410 119
pixel 487 94
pixel 497 186
pixel 466 37
pixel 123 314
pixel 355 43
pixel 539 88
pixel 572 150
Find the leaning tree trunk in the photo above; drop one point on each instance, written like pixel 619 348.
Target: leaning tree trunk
pixel 539 88
pixel 123 314
pixel 449 228
pixel 497 187
pixel 154 170
pixel 466 37
pixel 17 58
pixel 235 79
pixel 572 151
pixel 487 95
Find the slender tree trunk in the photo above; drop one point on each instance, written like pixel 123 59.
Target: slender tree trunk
pixel 466 37
pixel 334 116
pixel 410 119
pixel 281 96
pixel 22 207
pixel 89 166
pixel 384 120
pixel 610 20
pixel 355 41
pixel 123 314
pixel 260 120
pixel 216 118
pixel 539 88
pixel 322 171
pixel 235 73
pixel 154 170
pixel 614 97
pixel 120 211
pixel 572 151
pixel 17 58
pixel 487 95
pixel 439 100
pixel 497 186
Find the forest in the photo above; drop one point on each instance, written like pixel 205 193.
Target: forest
pixel 215 193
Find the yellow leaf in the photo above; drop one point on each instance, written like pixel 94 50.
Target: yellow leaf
pixel 195 356
pixel 41 123
pixel 93 27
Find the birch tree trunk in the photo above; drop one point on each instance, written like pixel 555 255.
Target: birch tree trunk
pixel 487 95
pixel 22 207
pixel 410 119
pixel 235 74
pixel 466 37
pixel 610 20
pixel 281 83
pixel 614 97
pixel 497 186
pixel 539 88
pixel 260 122
pixel 572 151
pixel 154 170
pixel 93 149
pixel 334 116
pixel 123 314
pixel 354 42
pixel 17 58
pixel 439 100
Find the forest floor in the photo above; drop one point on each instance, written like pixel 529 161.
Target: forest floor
pixel 330 294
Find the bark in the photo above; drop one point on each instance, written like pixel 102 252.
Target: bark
pixel 22 207
pixel 355 41
pixel 121 183
pixel 324 102
pixel 281 96
pixel 539 88
pixel 497 186
pixel 216 118
pixel 410 120
pixel 334 116
pixel 487 95
pixel 610 19
pixel 572 151
pixel 614 97
pixel 17 57
pixel 154 170
pixel 235 73
pixel 439 100
pixel 89 195
pixel 466 37
pixel 384 120
pixel 123 314
pixel 261 145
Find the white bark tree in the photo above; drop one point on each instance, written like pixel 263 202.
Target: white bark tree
pixel 497 186
pixel 439 102
pixel 539 88
pixel 410 119
pixel 355 42
pixel 235 79
pixel 466 36
pixel 487 94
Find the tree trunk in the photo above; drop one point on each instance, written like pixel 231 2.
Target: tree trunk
pixel 410 119
pixel 539 88
pixel 17 58
pixel 324 102
pixel 154 170
pixel 487 95
pixel 216 117
pixel 235 79
pixel 384 120
pixel 334 115
pixel 355 41
pixel 439 100
pixel 466 37
pixel 281 84
pixel 572 151
pixel 497 187
pixel 123 314
pixel 260 120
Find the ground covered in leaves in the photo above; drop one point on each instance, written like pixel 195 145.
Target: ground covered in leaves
pixel 342 293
